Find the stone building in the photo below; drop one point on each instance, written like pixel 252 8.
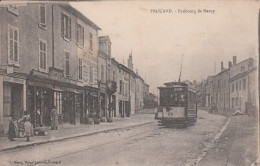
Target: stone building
pixel 132 84
pixel 124 90
pixel 243 86
pixel 48 58
pixel 139 103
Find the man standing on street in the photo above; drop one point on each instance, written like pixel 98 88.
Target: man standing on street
pixel 54 119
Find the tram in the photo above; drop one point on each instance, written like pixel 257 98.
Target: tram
pixel 177 105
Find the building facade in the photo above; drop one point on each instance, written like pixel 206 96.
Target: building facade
pixel 243 86
pixel 63 63
pixel 51 56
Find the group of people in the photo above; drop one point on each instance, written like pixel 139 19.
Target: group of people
pixel 27 126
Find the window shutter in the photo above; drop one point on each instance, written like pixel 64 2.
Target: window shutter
pixel 82 36
pixel 69 30
pixel 62 25
pixel 77 32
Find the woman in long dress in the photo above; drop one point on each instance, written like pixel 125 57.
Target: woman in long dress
pixel 27 126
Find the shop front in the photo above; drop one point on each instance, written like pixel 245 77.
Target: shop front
pixel 48 90
pixel 14 88
pixel 91 102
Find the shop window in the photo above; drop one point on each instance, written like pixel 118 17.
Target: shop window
pixel 67 64
pixel 13 9
pixel 58 102
pixel 80 35
pixel 7 100
pixel 65 26
pixel 42 55
pixel 13 45
pixel 42 15
pixel 80 69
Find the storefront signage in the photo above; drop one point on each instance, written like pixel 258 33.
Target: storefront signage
pixel 14 80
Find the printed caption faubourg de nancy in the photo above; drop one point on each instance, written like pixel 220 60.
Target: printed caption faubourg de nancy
pixel 183 11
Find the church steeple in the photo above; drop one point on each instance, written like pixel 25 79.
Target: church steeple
pixel 130 61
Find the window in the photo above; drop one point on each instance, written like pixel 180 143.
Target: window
pixel 80 35
pixel 108 74
pixel 233 102
pixel 80 69
pixel 236 86
pixel 244 84
pixel 102 73
pixel 13 9
pixel 91 74
pixel 58 102
pixel 240 86
pixel 91 41
pixel 42 15
pixel 121 86
pixel 233 87
pixel 125 88
pixel 114 76
pixel 242 68
pixel 13 44
pixel 67 64
pixel 42 55
pixel 65 26
pixel 250 64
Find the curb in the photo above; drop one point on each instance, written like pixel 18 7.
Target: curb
pixel 210 144
pixel 71 137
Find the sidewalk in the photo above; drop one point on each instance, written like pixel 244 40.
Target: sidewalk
pixel 237 146
pixel 68 131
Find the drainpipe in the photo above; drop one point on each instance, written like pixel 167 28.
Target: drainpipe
pixel 52 16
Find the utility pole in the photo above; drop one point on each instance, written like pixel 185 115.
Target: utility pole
pixel 181 68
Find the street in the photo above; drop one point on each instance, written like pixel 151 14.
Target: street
pixel 148 144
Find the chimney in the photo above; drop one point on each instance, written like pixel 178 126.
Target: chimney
pixel 222 67
pixel 234 60
pixel 229 64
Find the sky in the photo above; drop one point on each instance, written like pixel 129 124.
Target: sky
pixel 159 40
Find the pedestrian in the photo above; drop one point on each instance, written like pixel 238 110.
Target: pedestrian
pixel 27 126
pixel 11 131
pixel 54 119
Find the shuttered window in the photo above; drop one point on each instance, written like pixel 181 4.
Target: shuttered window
pixel 80 69
pixel 67 64
pixel 42 15
pixel 65 26
pixel 91 41
pixel 42 55
pixel 80 35
pixel 13 44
